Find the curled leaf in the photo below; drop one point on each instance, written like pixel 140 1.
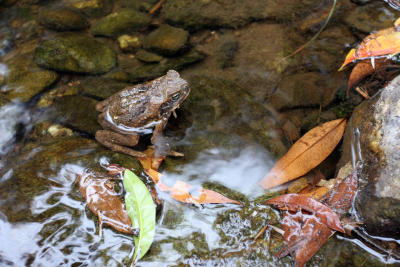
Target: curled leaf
pixel 102 200
pixel 364 69
pixel 295 202
pixel 142 211
pixel 309 151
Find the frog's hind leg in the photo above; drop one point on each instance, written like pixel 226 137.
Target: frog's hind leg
pixel 119 142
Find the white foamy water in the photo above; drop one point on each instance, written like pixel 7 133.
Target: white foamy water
pixel 10 115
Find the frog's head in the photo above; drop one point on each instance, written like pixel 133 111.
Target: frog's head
pixel 174 91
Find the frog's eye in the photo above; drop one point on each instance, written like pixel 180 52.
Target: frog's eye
pixel 176 96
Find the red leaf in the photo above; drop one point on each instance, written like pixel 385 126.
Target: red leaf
pixel 295 202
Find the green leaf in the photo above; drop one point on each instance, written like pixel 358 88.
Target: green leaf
pixel 142 211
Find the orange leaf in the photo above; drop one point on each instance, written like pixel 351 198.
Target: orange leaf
pixel 102 200
pixel 382 43
pixel 309 151
pixel 181 192
pixel 295 202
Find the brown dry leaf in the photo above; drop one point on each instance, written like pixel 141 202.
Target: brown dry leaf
pixel 364 69
pixel 102 200
pixel 305 234
pixel 309 151
pixel 385 42
pixel 295 202
pixel 317 192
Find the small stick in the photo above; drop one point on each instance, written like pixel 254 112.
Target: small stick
pixel 362 92
pixel 156 7
pixel 262 231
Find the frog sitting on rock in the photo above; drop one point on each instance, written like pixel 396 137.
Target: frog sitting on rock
pixel 138 110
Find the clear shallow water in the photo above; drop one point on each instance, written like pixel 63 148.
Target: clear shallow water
pixel 45 222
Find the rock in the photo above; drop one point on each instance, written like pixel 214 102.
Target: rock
pixel 372 17
pixel 93 8
pixel 77 112
pixel 304 90
pixel 129 43
pixel 227 53
pixel 100 87
pixel 166 40
pixel 24 79
pixel 62 19
pixel 150 71
pixel 77 53
pixel 123 21
pixel 3 100
pixel 142 5
pixel 195 15
pixel 148 57
pixel 374 132
pixel 6 41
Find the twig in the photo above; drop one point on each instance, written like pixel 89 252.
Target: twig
pixel 156 7
pixel 262 231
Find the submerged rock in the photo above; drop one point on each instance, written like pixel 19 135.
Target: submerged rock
pixel 142 5
pixel 373 133
pixel 24 79
pixel 120 22
pixel 62 19
pixel 77 53
pixel 93 8
pixel 148 57
pixel 304 90
pixel 166 40
pixel 374 16
pixel 129 43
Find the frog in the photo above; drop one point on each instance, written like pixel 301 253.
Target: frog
pixel 139 110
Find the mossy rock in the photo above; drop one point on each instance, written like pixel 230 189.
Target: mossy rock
pixel 148 57
pixel 70 52
pixel 62 19
pixel 93 8
pixel 25 79
pixel 166 40
pixel 142 5
pixel 123 21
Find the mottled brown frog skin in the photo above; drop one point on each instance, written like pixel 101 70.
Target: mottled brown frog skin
pixel 141 109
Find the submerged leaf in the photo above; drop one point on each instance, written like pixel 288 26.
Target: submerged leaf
pixel 142 211
pixel 102 200
pixel 364 69
pixel 309 151
pixel 295 202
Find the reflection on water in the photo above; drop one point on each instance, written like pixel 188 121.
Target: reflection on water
pixel 239 172
pixel 10 116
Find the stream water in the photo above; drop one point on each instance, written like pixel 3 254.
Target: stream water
pixel 244 111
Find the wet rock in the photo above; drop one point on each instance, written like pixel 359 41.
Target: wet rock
pixel 304 90
pixel 77 53
pixel 77 112
pixel 6 40
pixel 100 87
pixel 121 22
pixel 62 19
pixel 166 40
pixel 372 17
pixel 24 79
pixel 219 105
pixel 3 100
pixel 129 43
pixel 142 5
pixel 194 15
pixel 93 8
pixel 149 71
pixel 148 57
pixel 374 133
pixel 227 52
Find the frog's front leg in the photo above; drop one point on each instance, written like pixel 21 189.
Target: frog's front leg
pixel 119 142
pixel 160 144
